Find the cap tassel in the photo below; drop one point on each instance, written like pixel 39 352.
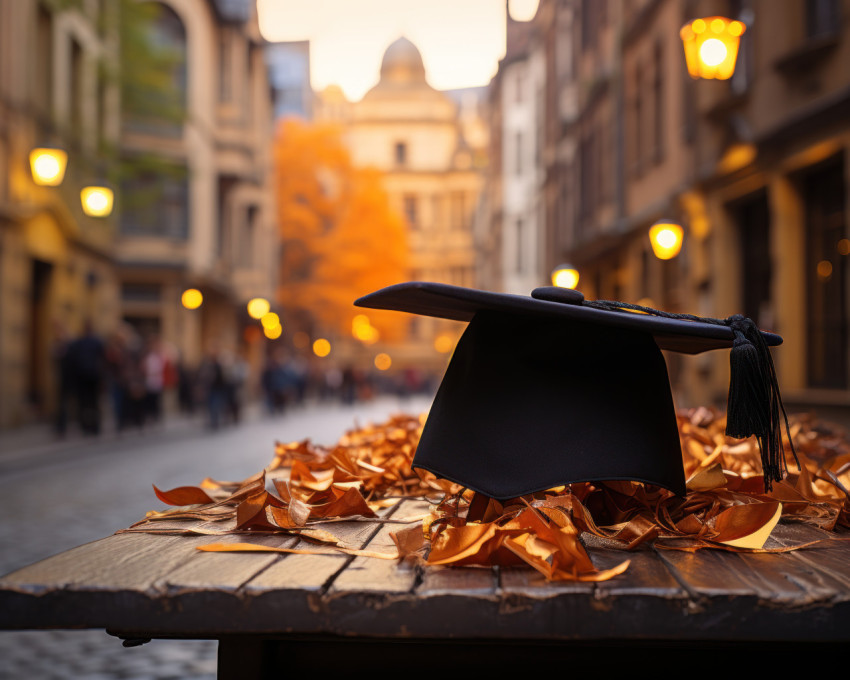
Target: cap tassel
pixel 754 401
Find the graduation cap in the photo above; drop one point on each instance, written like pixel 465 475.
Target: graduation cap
pixel 554 389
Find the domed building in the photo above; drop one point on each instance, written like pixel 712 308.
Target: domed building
pixel 414 134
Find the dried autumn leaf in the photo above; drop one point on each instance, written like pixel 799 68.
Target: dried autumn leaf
pixel 183 495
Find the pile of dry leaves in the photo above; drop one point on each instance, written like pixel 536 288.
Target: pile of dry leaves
pixel 307 487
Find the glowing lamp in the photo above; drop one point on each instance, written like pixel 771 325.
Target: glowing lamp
pixel 383 361
pixel 565 276
pixel 711 47
pixel 97 201
pixel 321 347
pixel 666 239
pixel 258 307
pixel 48 166
pixel 192 298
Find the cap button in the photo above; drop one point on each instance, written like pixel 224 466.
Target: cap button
pixel 565 296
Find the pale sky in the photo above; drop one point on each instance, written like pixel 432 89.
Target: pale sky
pixel 461 40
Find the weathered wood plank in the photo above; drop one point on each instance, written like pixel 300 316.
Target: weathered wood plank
pixel 646 575
pixel 367 574
pixel 123 562
pixel 827 565
pixel 310 573
pixel 206 571
pixel 458 582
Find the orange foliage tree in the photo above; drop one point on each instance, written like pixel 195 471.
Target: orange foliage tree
pixel 340 236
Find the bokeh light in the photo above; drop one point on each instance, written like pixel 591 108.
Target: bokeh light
pixel 321 347
pixel 192 298
pixel 270 320
pixel 258 307
pixel 443 344
pixel 273 333
pixel 383 361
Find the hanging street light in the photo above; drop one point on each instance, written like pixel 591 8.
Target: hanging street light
pixel 665 236
pixel 97 200
pixel 565 276
pixel 47 165
pixel 711 47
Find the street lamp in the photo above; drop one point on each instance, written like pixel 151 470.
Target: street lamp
pixel 711 46
pixel 47 165
pixel 565 276
pixel 665 236
pixel 97 200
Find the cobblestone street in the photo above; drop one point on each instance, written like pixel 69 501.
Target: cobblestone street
pixel 68 495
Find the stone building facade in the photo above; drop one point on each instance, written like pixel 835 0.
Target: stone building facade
pixel 57 268
pixel 430 150
pixel 208 225
pixel 211 226
pixel 756 169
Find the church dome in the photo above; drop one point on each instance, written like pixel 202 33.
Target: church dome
pixel 402 63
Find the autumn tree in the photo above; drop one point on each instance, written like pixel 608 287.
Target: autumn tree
pixel 340 236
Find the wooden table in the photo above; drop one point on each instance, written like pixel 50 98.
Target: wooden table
pixel 270 609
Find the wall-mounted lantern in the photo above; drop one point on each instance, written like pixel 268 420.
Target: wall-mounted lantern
pixel 711 46
pixel 47 165
pixel 97 200
pixel 665 236
pixel 565 276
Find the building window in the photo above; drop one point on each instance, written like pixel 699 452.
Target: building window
pixel 753 218
pixel 225 92
pixel 44 60
pixel 658 103
pixel 154 98
pixel 246 240
pixel 636 132
pixel 401 154
pixel 141 292
pixel 76 86
pixel 410 210
pixel 827 269
pixel 156 204
pixel 822 18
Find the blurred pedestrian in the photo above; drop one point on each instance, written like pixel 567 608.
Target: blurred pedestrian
pixel 87 370
pixel 212 385
pixel 153 367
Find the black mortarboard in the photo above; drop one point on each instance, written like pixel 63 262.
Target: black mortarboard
pixel 553 389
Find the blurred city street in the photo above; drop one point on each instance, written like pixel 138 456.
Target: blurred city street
pixel 55 497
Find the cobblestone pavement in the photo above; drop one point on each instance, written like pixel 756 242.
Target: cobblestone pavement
pixel 83 493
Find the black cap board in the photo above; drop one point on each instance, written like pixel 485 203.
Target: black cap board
pixel 553 389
